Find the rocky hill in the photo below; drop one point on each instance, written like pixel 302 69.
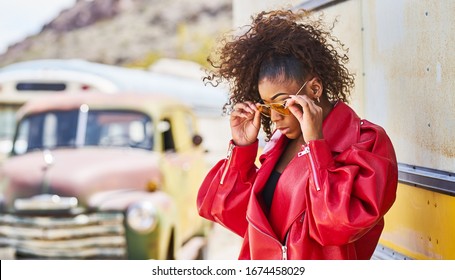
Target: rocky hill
pixel 132 33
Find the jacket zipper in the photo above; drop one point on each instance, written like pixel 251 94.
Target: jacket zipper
pixel 284 248
pixel 305 151
pixel 285 252
pixel 228 163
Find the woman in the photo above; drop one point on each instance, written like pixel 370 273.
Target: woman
pixel 326 177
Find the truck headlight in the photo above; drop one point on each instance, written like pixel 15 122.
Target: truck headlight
pixel 142 217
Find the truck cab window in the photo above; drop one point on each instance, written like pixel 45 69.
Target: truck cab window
pixel 168 138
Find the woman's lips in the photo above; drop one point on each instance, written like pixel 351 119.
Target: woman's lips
pixel 283 130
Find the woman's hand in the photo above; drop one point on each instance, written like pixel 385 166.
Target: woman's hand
pixel 245 122
pixel 309 115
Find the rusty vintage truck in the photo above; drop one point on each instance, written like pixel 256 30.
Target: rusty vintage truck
pixel 103 177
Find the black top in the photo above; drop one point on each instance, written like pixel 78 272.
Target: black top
pixel 269 189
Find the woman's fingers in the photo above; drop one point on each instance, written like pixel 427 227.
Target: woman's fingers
pixel 304 101
pixel 247 111
pixel 246 107
pixel 245 123
pixel 297 106
pixel 309 115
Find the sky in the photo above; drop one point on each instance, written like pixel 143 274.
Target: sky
pixel 22 18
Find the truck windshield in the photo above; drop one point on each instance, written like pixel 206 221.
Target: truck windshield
pixel 83 127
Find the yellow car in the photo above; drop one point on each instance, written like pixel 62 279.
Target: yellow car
pixel 103 177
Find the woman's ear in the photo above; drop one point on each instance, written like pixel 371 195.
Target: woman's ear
pixel 316 87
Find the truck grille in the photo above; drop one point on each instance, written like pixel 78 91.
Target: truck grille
pixel 85 236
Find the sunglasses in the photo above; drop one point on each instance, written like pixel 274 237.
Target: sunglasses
pixel 280 108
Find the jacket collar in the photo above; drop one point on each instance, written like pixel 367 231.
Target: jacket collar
pixel 340 120
pixel 341 127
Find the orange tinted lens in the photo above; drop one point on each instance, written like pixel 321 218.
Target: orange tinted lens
pixel 264 109
pixel 280 108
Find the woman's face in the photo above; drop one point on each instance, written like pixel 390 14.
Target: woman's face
pixel 278 92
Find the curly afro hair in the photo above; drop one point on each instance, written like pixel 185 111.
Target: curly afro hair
pixel 280 45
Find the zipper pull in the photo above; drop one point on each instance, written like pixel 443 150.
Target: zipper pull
pixel 285 252
pixel 228 163
pixel 305 151
pixel 229 153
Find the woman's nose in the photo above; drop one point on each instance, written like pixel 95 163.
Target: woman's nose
pixel 275 116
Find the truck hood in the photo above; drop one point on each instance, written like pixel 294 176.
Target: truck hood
pixel 78 173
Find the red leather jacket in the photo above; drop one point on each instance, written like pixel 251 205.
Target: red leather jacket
pixel 328 204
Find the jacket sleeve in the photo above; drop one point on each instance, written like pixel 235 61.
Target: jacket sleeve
pixel 348 195
pixel 224 194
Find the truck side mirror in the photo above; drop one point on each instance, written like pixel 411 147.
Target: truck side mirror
pixel 197 140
